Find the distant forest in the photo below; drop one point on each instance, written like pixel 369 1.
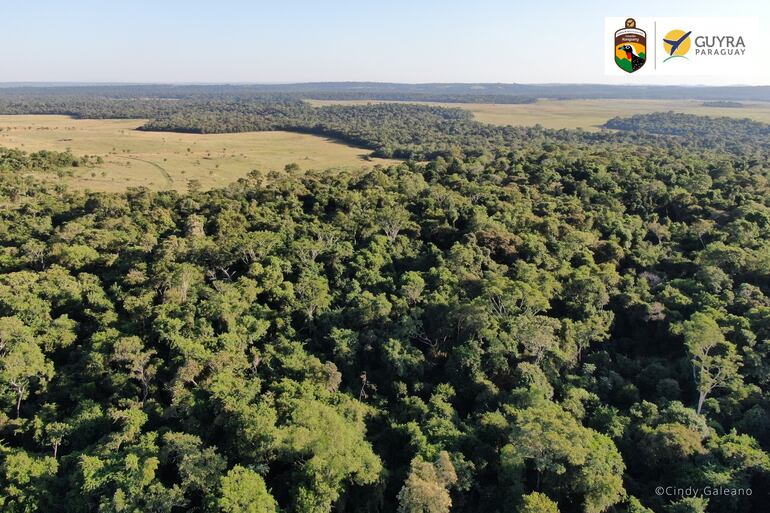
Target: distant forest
pixel 469 93
pixel 400 130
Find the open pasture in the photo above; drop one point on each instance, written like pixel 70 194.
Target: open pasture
pixel 166 160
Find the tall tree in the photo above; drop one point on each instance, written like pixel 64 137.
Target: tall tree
pixel 715 360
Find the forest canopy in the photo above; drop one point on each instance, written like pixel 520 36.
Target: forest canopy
pixel 524 320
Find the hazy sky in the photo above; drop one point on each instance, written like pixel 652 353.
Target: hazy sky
pixel 328 40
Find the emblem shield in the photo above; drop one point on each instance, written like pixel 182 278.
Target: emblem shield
pixel 630 47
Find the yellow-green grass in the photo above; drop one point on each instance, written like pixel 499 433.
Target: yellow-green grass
pixel 165 160
pixel 586 114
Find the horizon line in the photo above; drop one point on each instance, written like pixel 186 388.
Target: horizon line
pixel 290 83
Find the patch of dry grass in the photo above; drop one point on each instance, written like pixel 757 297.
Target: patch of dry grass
pixel 165 160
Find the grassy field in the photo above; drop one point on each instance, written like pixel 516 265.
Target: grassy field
pixel 586 114
pixel 168 160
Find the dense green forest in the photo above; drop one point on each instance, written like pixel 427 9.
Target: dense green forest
pixel 734 135
pixel 525 320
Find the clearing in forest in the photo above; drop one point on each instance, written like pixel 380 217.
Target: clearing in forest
pixel 167 160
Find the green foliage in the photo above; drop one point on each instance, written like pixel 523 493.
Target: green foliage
pixel 689 505
pixel 22 362
pixel 25 481
pixel 425 489
pixel 537 502
pixel 567 457
pixel 528 320
pixel 244 491
pixel 715 360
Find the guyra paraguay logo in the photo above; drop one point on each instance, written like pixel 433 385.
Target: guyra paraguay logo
pixel 630 47
pixel 677 44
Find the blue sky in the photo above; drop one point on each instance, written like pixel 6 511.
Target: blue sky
pixel 324 40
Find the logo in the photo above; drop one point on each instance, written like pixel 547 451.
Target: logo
pixel 676 44
pixel 630 47
pixel 686 47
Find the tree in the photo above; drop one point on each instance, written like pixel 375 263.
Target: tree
pixel 242 490
pixel 426 487
pixel 25 481
pixel 52 433
pixel 312 291
pixel 328 444
pixel 568 457
pixel 700 228
pixel 141 364
pixel 537 502
pixel 537 337
pixel 22 363
pixel 198 466
pixel 392 219
pixel 714 359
